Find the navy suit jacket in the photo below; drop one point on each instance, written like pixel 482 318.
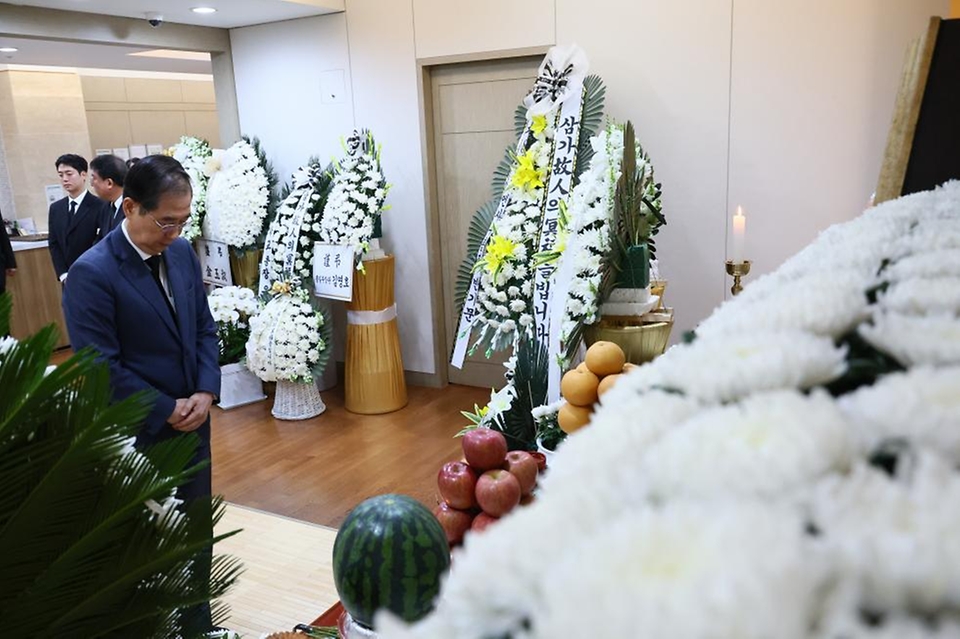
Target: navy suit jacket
pixel 111 302
pixel 110 219
pixel 70 235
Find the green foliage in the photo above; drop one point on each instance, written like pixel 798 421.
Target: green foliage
pixel 502 173
pixel 233 340
pixel 529 381
pixel 81 553
pixel 591 119
pixel 865 365
pixel 326 334
pixel 477 232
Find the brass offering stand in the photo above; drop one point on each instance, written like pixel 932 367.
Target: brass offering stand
pixel 737 270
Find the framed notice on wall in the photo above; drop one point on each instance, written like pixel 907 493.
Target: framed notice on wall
pixel 333 271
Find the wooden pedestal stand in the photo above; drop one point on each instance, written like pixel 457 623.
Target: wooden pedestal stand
pixel 373 374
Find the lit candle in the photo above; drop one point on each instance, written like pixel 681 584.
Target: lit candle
pixel 739 230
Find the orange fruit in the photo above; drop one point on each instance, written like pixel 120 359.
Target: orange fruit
pixel 582 366
pixel 607 383
pixel 628 367
pixel 579 387
pixel 573 418
pixel 605 358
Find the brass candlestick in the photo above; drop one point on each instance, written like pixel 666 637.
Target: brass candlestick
pixel 738 270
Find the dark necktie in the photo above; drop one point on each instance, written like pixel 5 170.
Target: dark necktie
pixel 116 217
pixel 73 208
pixel 154 264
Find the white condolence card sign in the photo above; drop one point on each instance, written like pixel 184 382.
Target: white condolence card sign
pixel 214 262
pixel 333 271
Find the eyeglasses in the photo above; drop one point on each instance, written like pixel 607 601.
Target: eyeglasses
pixel 169 229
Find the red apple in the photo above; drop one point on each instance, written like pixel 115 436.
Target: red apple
pixel 484 448
pixel 541 460
pixel 498 492
pixel 481 521
pixel 455 523
pixel 457 483
pixel 527 499
pixel 523 466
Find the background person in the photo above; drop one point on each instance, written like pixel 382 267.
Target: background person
pixel 74 221
pixel 107 173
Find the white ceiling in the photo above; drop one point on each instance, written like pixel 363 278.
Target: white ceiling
pixel 230 13
pixel 92 56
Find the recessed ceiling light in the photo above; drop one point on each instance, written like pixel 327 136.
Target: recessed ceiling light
pixel 8 49
pixel 204 10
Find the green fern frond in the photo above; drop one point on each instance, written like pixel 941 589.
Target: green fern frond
pixel 591 119
pixel 519 120
pixel 479 225
pixel 502 173
pixel 530 385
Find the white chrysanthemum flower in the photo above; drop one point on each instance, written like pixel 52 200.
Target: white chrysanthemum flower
pixel 237 198
pixel 686 571
pixel 627 423
pixel 768 445
pixel 921 405
pixel 935 264
pixel 895 537
pixel 915 340
pixel 929 296
pixel 828 307
pixel 730 367
pixel 275 350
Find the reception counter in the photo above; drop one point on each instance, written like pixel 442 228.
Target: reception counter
pixel 36 292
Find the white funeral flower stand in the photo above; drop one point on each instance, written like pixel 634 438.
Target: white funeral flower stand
pixel 239 386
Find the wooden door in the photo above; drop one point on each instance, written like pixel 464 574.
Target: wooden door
pixel 473 107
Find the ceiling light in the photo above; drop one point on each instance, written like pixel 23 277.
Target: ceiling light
pixel 8 49
pixel 204 10
pixel 200 56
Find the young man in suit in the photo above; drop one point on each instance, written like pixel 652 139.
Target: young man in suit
pixel 107 173
pixel 137 297
pixel 8 262
pixel 74 221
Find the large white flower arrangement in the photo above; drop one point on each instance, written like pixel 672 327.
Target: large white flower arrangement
pixel 716 494
pixel 194 154
pixel 286 338
pixel 232 307
pixel 506 269
pixel 591 214
pixel 288 249
pixel 357 196
pixel 239 197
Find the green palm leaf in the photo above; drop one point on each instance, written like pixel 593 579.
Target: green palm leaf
pixel 502 173
pixel 591 119
pixel 530 383
pixel 519 120
pixel 476 234
pixel 80 552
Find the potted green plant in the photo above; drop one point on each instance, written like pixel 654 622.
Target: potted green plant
pixel 232 307
pixel 92 541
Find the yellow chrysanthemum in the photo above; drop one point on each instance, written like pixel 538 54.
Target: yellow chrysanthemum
pixel 539 124
pixel 499 252
pixel 527 176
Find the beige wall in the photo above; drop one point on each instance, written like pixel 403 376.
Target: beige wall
pixel 780 106
pixel 42 116
pixel 124 111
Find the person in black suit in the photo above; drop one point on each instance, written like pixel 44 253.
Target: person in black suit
pixel 74 221
pixel 8 262
pixel 107 173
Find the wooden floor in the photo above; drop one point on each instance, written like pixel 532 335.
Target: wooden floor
pixel 317 470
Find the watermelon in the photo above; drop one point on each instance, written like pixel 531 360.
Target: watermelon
pixel 390 553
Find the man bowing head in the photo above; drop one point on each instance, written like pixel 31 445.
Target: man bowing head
pixel 137 297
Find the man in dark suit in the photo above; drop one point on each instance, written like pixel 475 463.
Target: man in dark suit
pixel 137 297
pixel 8 262
pixel 107 173
pixel 74 221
